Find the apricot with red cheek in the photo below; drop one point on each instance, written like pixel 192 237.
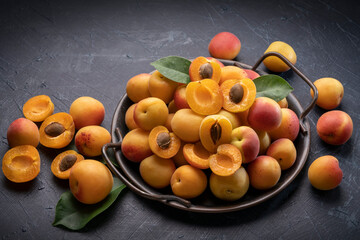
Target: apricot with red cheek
pixel 289 126
pixel 264 172
pixel 135 145
pixel 180 97
pixel 284 151
pixel 247 141
pixel 224 45
pixel 22 131
pixel 90 139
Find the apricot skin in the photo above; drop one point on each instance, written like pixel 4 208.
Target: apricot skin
pixel 161 87
pixel 22 131
pixel 247 141
pixel 289 126
pixel 129 117
pixel 264 172
pixel 180 97
pixel 150 112
pixel 135 145
pixel 330 91
pixel 87 111
pixel 324 173
pixel 186 125
pixel 274 63
pixel 224 45
pixel 137 87
pixel 335 127
pixel 284 151
pixel 90 139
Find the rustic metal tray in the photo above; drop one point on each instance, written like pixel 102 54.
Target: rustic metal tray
pixel 128 172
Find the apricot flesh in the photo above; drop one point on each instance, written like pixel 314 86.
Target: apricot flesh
pixel 38 108
pixel 21 163
pixel 196 155
pixel 22 131
pixel 226 161
pixel 63 162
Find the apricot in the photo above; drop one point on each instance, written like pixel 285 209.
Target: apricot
pixel 22 131
pixel 90 139
pixel 284 151
pixel 214 131
pixel 186 125
pixel 226 161
pixel 180 97
pixel 274 63
pixel 325 173
pixel 232 72
pixel 238 94
pixel 188 182
pixel 63 163
pixel 57 131
pixel 157 171
pixel 87 111
pixel 330 93
pixel 90 181
pixel 251 74
pixel 283 103
pixel 179 158
pixel 224 45
pixel 289 126
pixel 243 116
pixel 168 121
pixel 162 87
pixel 135 145
pixel 230 188
pixel 196 155
pixel 335 127
pixel 265 141
pixel 203 68
pixel 137 87
pixel 204 97
pixel 247 141
pixel 38 108
pixel 129 118
pixel 163 143
pixel 264 114
pixel 234 119
pixel 264 172
pixel 21 163
pixel 150 112
pixel 172 107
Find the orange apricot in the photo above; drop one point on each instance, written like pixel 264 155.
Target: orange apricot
pixel 238 94
pixel 129 118
pixel 38 108
pixel 232 72
pixel 21 164
pixel 203 68
pixel 204 97
pixel 196 155
pixel 179 159
pixel 163 143
pixel 137 87
pixel 162 87
pixel 62 163
pixel 150 112
pixel 90 139
pixel 226 161
pixel 57 130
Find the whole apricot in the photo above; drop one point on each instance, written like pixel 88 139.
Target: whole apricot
pixel 137 87
pixel 247 141
pixel 186 125
pixel 22 131
pixel 224 45
pixel 289 126
pixel 274 63
pixel 330 91
pixel 324 173
pixel 90 181
pixel 264 172
pixel 284 151
pixel 162 87
pixel 87 111
pixel 90 139
pixel 135 145
pixel 150 112
pixel 129 117
pixel 38 108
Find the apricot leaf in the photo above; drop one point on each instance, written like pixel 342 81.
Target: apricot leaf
pixel 272 86
pixel 174 68
pixel 74 215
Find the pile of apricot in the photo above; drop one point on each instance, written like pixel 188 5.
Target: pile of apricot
pixel 212 131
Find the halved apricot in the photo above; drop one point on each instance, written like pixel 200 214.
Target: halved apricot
pixel 163 143
pixel 38 108
pixel 196 155
pixel 203 68
pixel 238 94
pixel 226 161
pixel 214 131
pixel 21 164
pixel 57 130
pixel 62 163
pixel 204 97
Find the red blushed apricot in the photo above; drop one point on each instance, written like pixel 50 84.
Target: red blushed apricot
pixel 57 130
pixel 289 126
pixel 214 131
pixel 226 161
pixel 196 155
pixel 238 94
pixel 62 163
pixel 22 131
pixel 135 145
pixel 264 172
pixel 21 164
pixel 224 45
pixel 180 97
pixel 251 74
pixel 129 117
pixel 163 143
pixel 203 68
pixel 204 97
pixel 38 108
pixel 137 87
pixel 90 139
pixel 232 72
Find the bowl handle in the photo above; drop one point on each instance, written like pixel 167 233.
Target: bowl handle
pixel 301 75
pixel 142 193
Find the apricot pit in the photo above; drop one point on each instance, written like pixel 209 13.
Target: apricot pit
pixel 163 143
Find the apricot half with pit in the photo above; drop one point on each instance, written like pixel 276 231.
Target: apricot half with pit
pixel 203 68
pixel 196 155
pixel 21 164
pixel 62 163
pixel 38 108
pixel 163 143
pixel 214 131
pixel 57 131
pixel 226 161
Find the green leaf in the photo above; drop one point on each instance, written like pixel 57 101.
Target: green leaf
pixel 272 86
pixel 174 68
pixel 74 215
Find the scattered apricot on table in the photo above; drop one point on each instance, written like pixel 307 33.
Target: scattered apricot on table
pixel 63 162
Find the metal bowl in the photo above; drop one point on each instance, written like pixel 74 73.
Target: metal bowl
pixel 128 172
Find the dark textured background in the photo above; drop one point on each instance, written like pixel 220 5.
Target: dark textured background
pixel 68 49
